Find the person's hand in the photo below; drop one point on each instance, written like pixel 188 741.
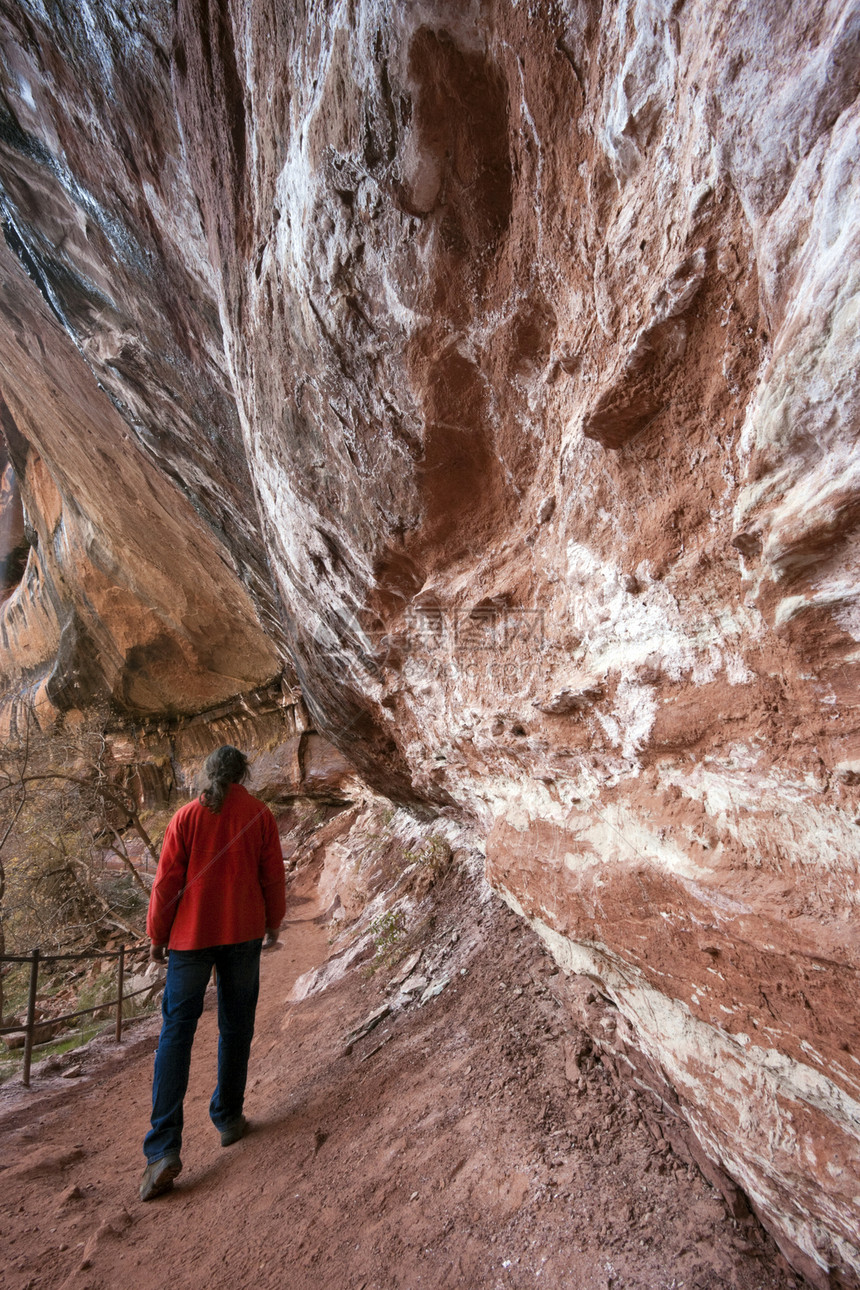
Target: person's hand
pixel 270 940
pixel 158 953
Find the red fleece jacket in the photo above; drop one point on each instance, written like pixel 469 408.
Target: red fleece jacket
pixel 220 879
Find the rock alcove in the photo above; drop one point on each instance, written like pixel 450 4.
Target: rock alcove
pixel 485 370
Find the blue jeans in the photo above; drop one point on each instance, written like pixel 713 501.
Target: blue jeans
pixel 188 973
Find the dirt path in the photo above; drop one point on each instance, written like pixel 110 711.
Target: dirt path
pixel 452 1147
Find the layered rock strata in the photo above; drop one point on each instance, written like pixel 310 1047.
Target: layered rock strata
pixel 162 762
pixel 496 360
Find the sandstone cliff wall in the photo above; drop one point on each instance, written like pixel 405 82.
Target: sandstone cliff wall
pixel 494 362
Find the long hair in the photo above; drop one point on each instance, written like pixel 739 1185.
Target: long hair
pixel 225 766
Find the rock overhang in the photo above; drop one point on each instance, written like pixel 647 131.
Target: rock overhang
pixel 344 304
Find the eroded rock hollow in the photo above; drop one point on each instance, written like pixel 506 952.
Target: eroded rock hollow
pixel 490 367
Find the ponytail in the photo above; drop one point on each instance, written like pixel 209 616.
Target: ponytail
pixel 223 767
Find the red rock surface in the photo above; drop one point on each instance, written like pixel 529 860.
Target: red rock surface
pixel 496 362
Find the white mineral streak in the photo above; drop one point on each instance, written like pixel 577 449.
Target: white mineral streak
pixel 621 632
pixel 769 812
pixel 644 84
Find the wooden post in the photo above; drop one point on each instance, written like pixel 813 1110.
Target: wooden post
pixel 121 975
pixel 31 1016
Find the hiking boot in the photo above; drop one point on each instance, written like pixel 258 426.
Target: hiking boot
pixel 159 1175
pixel 235 1130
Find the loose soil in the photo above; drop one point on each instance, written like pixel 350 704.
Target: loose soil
pixel 456 1145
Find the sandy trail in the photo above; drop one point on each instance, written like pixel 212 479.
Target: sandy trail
pixel 457 1154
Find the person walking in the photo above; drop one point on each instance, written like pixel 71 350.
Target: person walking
pixel 219 890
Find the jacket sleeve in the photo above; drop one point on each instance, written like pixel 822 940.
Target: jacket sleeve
pixel 272 873
pixel 169 884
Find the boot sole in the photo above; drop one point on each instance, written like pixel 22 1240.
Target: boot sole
pixel 234 1133
pixel 162 1183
